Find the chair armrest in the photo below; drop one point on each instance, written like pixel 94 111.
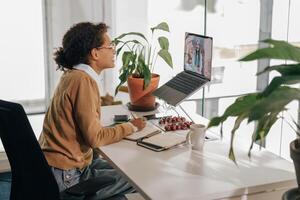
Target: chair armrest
pixel 90 186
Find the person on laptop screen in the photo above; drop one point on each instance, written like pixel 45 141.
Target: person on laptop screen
pixel 197 70
pixel 194 52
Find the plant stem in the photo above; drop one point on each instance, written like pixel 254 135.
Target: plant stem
pixel 291 126
pixel 127 45
pixel 155 60
pixel 296 131
pixel 151 63
pixel 150 49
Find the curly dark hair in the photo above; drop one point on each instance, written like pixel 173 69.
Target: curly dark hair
pixel 77 43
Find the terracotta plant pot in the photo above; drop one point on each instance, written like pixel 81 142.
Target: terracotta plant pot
pixel 139 96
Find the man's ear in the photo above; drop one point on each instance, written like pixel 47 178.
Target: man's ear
pixel 94 54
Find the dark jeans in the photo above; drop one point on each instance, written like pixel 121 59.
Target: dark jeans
pixel 5 185
pixel 99 167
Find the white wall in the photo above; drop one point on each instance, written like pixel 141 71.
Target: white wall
pixel 124 16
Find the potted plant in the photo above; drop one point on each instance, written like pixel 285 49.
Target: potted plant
pixel 264 107
pixel 138 60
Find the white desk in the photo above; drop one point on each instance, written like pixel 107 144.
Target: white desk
pixel 180 173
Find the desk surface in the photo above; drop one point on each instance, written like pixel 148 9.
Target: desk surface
pixel 181 173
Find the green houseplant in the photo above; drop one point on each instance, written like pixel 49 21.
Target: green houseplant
pixel 264 107
pixel 138 60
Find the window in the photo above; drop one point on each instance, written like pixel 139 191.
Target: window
pixel 284 27
pixel 236 27
pixel 21 49
pixel 22 54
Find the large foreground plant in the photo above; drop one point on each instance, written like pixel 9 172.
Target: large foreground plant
pixel 139 54
pixel 264 107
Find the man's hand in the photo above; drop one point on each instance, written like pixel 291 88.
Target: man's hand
pixel 139 123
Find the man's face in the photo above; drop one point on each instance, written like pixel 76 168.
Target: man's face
pixel 106 54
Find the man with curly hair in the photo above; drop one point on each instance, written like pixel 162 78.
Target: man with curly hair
pixel 72 126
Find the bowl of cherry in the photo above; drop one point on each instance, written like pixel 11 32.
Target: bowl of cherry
pixel 174 123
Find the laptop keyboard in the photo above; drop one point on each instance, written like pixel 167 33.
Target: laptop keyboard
pixel 185 83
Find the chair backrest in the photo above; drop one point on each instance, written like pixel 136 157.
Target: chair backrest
pixel 31 175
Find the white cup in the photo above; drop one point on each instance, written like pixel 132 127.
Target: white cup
pixel 196 136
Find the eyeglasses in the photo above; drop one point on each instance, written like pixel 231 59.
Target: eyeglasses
pixel 111 46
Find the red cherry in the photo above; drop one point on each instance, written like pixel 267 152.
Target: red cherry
pixel 167 128
pixel 184 127
pixel 173 127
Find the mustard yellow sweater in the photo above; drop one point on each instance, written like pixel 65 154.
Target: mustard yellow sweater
pixel 72 123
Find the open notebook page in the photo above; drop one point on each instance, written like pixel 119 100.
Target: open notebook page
pixel 149 130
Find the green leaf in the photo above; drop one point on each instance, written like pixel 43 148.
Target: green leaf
pixel 216 121
pixel 132 33
pixel 278 81
pixel 163 42
pixel 285 69
pixel 147 76
pixel 131 68
pixel 145 70
pixel 239 107
pixel 140 63
pixel 237 124
pixel 116 41
pixel 126 43
pixel 166 56
pixel 279 50
pixel 162 26
pixel 128 66
pixel 263 127
pixel 123 78
pixel 278 43
pixel 126 58
pixel 276 101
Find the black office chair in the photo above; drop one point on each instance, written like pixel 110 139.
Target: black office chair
pixel 32 177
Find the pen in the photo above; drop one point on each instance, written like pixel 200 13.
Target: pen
pixel 134 117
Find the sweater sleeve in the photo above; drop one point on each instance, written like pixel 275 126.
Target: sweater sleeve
pixel 87 117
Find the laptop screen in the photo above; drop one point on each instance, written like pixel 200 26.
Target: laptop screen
pixel 198 54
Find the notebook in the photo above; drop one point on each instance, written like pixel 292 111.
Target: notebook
pixel 197 70
pixel 162 141
pixel 148 131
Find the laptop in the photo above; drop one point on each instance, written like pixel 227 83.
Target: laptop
pixel 197 70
